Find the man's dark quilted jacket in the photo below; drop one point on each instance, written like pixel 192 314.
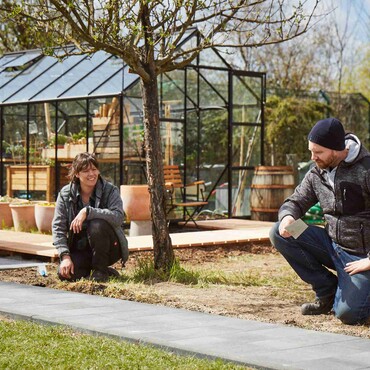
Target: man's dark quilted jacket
pixel 346 208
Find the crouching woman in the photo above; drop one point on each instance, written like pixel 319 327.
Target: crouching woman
pixel 88 224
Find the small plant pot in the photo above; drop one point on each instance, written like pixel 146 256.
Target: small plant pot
pixel 23 217
pixel 6 219
pixel 44 214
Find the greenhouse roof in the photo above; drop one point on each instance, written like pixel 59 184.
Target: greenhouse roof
pixel 30 76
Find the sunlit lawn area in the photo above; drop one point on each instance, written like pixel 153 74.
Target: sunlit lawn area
pixel 26 345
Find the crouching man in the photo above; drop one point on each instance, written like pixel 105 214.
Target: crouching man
pixel 340 182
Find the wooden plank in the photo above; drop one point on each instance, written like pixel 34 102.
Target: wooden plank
pixel 108 156
pixel 24 248
pixel 103 126
pixel 107 150
pixel 107 140
pixel 204 238
pixel 251 231
pixel 232 223
pixel 97 134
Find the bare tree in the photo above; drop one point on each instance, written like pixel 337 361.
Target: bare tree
pixel 323 58
pixel 293 66
pixel 147 36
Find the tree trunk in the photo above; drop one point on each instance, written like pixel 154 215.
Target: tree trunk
pixel 162 245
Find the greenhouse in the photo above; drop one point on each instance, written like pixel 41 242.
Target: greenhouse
pixel 212 121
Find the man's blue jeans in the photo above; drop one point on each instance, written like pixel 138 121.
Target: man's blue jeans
pixel 312 256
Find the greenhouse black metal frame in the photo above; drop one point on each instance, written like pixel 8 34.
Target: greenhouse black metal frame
pixel 212 119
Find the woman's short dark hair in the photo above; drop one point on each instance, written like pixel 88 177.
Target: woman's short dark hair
pixel 81 162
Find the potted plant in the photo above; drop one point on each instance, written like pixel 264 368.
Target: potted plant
pixel 6 219
pixel 6 153
pixel 44 213
pixel 16 151
pixel 23 214
pixel 59 140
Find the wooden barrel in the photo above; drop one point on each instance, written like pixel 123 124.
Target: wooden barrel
pixel 270 186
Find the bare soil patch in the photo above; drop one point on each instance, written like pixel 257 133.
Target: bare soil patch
pixel 276 300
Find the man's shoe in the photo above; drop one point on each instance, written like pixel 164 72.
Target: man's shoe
pixel 319 307
pixel 99 276
pixel 113 272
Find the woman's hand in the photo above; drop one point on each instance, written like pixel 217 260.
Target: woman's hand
pixel 357 266
pixel 76 224
pixel 66 267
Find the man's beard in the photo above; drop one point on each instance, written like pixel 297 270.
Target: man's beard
pixel 327 163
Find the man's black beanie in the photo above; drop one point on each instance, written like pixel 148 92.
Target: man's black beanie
pixel 328 133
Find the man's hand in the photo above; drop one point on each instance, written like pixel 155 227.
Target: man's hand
pixel 287 220
pixel 357 266
pixel 76 224
pixel 66 268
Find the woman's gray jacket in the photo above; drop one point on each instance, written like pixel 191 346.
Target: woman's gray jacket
pixel 346 205
pixel 108 206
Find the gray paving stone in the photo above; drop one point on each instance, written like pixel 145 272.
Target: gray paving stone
pixel 249 342
pixel 7 263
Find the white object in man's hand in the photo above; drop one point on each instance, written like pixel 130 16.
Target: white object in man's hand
pixel 291 227
pixel 296 228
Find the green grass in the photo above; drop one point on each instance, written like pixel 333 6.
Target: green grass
pixel 202 276
pixel 26 345
pixel 145 272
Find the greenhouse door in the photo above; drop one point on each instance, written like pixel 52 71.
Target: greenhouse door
pixel 246 133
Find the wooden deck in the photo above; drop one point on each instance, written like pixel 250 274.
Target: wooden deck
pixel 218 233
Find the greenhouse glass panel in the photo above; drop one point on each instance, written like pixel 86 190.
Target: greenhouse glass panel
pixel 20 89
pixel 6 59
pixel 39 127
pixel 172 142
pixel 22 59
pixel 214 88
pixel 246 146
pixel 116 83
pixel 64 77
pixel 241 191
pixel 247 99
pixel 47 72
pixel 94 72
pixel 209 57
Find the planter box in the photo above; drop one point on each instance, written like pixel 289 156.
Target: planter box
pixel 41 178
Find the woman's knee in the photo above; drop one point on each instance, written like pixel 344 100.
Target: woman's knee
pixel 98 226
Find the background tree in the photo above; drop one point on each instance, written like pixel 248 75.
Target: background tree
pixel 357 79
pixel 147 36
pixel 323 58
pixel 21 35
pixel 291 118
pixel 327 63
pixel 293 66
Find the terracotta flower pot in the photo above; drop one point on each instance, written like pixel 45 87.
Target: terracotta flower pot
pixel 136 202
pixel 23 217
pixel 44 214
pixel 6 219
pixel 136 205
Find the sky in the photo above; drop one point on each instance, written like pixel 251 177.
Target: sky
pixel 353 13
